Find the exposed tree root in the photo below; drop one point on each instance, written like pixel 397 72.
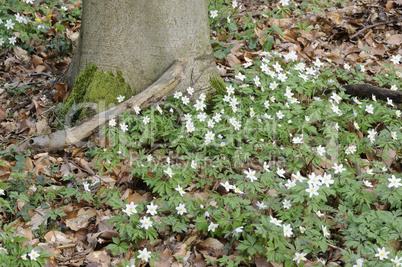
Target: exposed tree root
pixel 367 90
pixel 150 96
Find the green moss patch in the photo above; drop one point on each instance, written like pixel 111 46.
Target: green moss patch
pixel 96 86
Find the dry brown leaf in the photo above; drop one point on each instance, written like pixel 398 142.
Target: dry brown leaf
pixel 42 127
pixel 4 170
pixel 232 60
pixel 395 39
pixel 3 114
pixel 181 252
pixel 38 218
pixel 85 165
pixel 280 22
pixel 211 243
pixel 21 53
pixel 58 238
pixel 40 68
pixel 36 61
pixel 99 257
pixel 82 219
pixel 165 259
pixel 200 261
pixel 336 16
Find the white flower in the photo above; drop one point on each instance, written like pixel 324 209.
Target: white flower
pixel 234 4
pixel 298 176
pixel 212 227
pixel 398 113
pixel 298 140
pixel 393 135
pixel 33 255
pixel 356 125
pixel 226 185
pixel 389 102
pixel 130 209
pixel 3 250
pixel 190 90
pixel 251 175
pixel 299 257
pixel 1 192
pixel 273 85
pixel 9 24
pixel 336 97
pixel 120 98
pixel 286 204
pixel 325 231
pixel 370 109
pixel 86 186
pixel 12 40
pixel 327 180
pixel 230 89
pixel 112 122
pixel 338 169
pixel 397 261
pixel 181 209
pixel 393 182
pixel 202 116
pixel 314 180
pixel 261 205
pixel 321 150
pixel 284 2
pixel 281 172
pixel 319 213
pixel 302 229
pixel 169 172
pixel 24 257
pixel 180 190
pixel 239 230
pixel 266 167
pixel 287 230
pixel 367 183
pixel 257 81
pixel 146 120
pixel 312 190
pixel 290 184
pixel 146 223
pixel 193 164
pixel 382 254
pixel 199 105
pixel 240 76
pixel 137 110
pixel 64 8
pixel 396 59
pixel 394 87
pixel 185 100
pixel 123 127
pixel 177 94
pixel 144 254
pixel 237 190
pixel 359 263
pixel 275 221
pixel 151 209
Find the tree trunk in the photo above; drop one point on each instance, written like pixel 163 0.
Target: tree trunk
pixel 144 38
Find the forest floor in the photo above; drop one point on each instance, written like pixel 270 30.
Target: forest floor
pixel 240 202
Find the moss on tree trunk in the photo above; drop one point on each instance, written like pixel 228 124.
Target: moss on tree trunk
pixel 97 89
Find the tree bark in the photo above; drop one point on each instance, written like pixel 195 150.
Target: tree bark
pixel 143 38
pixel 64 138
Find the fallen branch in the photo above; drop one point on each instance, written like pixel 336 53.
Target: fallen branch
pixel 367 90
pixel 372 26
pixel 150 96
